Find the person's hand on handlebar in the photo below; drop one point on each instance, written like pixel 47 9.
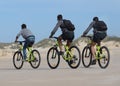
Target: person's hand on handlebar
pixel 50 36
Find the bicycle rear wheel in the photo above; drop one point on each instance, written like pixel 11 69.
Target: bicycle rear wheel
pixel 18 60
pixel 35 59
pixel 75 61
pixel 86 57
pixel 104 61
pixel 53 58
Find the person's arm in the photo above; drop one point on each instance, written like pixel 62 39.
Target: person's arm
pixel 89 28
pixel 55 28
pixel 17 36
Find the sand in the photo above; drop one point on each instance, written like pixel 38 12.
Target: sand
pixel 63 75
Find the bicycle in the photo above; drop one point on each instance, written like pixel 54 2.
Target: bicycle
pixel 71 55
pixel 102 55
pixel 33 57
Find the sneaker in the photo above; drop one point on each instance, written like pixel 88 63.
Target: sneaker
pixel 24 60
pixel 61 53
pixel 93 62
pixel 74 57
pixel 27 59
pixel 71 62
pixel 34 60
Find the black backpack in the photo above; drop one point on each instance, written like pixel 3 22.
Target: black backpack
pixel 100 26
pixel 68 24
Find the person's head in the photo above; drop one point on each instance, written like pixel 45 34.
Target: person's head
pixel 95 19
pixel 23 26
pixel 59 17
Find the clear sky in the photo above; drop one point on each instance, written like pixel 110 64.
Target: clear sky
pixel 40 16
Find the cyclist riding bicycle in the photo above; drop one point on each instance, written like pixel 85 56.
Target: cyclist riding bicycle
pixel 67 34
pixel 29 38
pixel 99 33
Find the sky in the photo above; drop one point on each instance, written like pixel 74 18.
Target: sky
pixel 40 16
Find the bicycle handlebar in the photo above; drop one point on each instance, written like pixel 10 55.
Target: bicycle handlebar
pixel 20 41
pixel 55 37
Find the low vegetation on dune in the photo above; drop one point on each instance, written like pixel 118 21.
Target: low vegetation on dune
pixel 49 42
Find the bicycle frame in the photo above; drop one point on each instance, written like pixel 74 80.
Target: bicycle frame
pixel 29 49
pixel 101 54
pixel 65 57
pixel 98 47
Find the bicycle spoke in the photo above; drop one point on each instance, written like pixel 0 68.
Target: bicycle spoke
pixel 74 57
pixel 86 57
pixel 53 58
pixel 17 60
pixel 104 61
pixel 35 59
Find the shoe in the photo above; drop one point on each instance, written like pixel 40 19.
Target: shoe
pixel 61 53
pixel 74 57
pixel 93 62
pixel 34 60
pixel 24 60
pixel 71 62
pixel 27 59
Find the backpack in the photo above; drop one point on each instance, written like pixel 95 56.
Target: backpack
pixel 68 24
pixel 100 26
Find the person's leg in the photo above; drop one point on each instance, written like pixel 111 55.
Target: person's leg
pixel 60 43
pixel 93 53
pixel 68 43
pixel 93 49
pixel 24 50
pixel 95 39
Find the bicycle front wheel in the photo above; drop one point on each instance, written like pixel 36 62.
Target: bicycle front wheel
pixel 53 58
pixel 105 59
pixel 35 59
pixel 86 57
pixel 18 60
pixel 75 61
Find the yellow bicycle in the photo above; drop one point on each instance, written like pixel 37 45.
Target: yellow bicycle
pixel 71 55
pixel 102 54
pixel 33 57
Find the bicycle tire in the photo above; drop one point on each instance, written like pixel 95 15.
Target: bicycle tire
pixel 18 57
pixel 86 57
pixel 55 57
pixel 37 59
pixel 106 59
pixel 75 62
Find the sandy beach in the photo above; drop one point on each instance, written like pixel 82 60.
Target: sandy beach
pixel 63 75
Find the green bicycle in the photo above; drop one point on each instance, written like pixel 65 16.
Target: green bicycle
pixel 33 57
pixel 102 55
pixel 71 55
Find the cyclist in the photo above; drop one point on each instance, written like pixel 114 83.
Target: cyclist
pixel 66 34
pixel 28 36
pixel 99 33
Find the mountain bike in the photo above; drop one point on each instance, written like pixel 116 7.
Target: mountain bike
pixel 71 55
pixel 33 57
pixel 102 54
